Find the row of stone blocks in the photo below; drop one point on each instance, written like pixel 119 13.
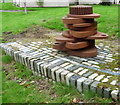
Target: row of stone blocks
pixel 51 70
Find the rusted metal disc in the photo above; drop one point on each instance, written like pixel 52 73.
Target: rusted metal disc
pixel 90 28
pixel 59 46
pixel 65 39
pixel 69 20
pixel 98 35
pixel 77 45
pixel 83 25
pixel 87 52
pixel 89 16
pixel 80 10
pixel 82 34
pixel 67 34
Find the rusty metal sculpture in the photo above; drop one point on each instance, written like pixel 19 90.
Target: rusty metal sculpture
pixel 79 40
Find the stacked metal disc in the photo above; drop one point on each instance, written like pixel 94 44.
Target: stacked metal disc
pixel 79 40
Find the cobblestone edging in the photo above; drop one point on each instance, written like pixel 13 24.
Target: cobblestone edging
pixel 82 73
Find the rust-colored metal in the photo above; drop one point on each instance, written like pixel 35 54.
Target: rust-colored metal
pixel 79 40
pixel 98 35
pixel 67 34
pixel 65 39
pixel 82 34
pixel 59 46
pixel 90 51
pixel 90 28
pixel 81 10
pixel 69 20
pixel 82 25
pixel 77 45
pixel 89 16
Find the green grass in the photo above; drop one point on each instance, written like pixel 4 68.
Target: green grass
pixel 9 6
pixel 6 59
pixel 17 22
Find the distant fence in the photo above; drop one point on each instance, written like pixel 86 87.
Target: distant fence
pixel 6 1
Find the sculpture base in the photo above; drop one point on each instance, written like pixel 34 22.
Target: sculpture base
pixel 87 52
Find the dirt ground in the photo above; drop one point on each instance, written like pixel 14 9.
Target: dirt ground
pixel 35 32
pixel 47 36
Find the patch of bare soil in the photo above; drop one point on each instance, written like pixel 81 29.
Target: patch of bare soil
pixel 37 32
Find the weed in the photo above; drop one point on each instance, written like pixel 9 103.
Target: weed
pixel 6 59
pixel 3 52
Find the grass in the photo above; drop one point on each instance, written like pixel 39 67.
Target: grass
pixel 21 89
pixel 9 6
pixel 52 18
pixel 6 59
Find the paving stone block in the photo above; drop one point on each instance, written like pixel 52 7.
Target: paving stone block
pixel 101 61
pixel 45 69
pixel 68 66
pixel 78 70
pixel 86 85
pixel 35 66
pixel 109 77
pixel 83 59
pixel 85 63
pixel 93 62
pixel 93 86
pixel 105 80
pixel 68 78
pixel 46 56
pixel 77 60
pixel 80 83
pixel 42 67
pixel 63 74
pixel 93 76
pixel 73 68
pixel 65 64
pixel 55 61
pixel 53 72
pixel 52 59
pixel 73 80
pixel 99 77
pixel 34 53
pixel 46 59
pixel 95 66
pixel 101 56
pixel 49 72
pixel 114 94
pixel 114 82
pixel 58 63
pixel 21 58
pixel 37 55
pixel 27 61
pixel 87 74
pixel 83 71
pixel 32 64
pixel 100 91
pixel 92 59
pixel 58 74
pixel 107 92
pixel 15 53
pixel 39 67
